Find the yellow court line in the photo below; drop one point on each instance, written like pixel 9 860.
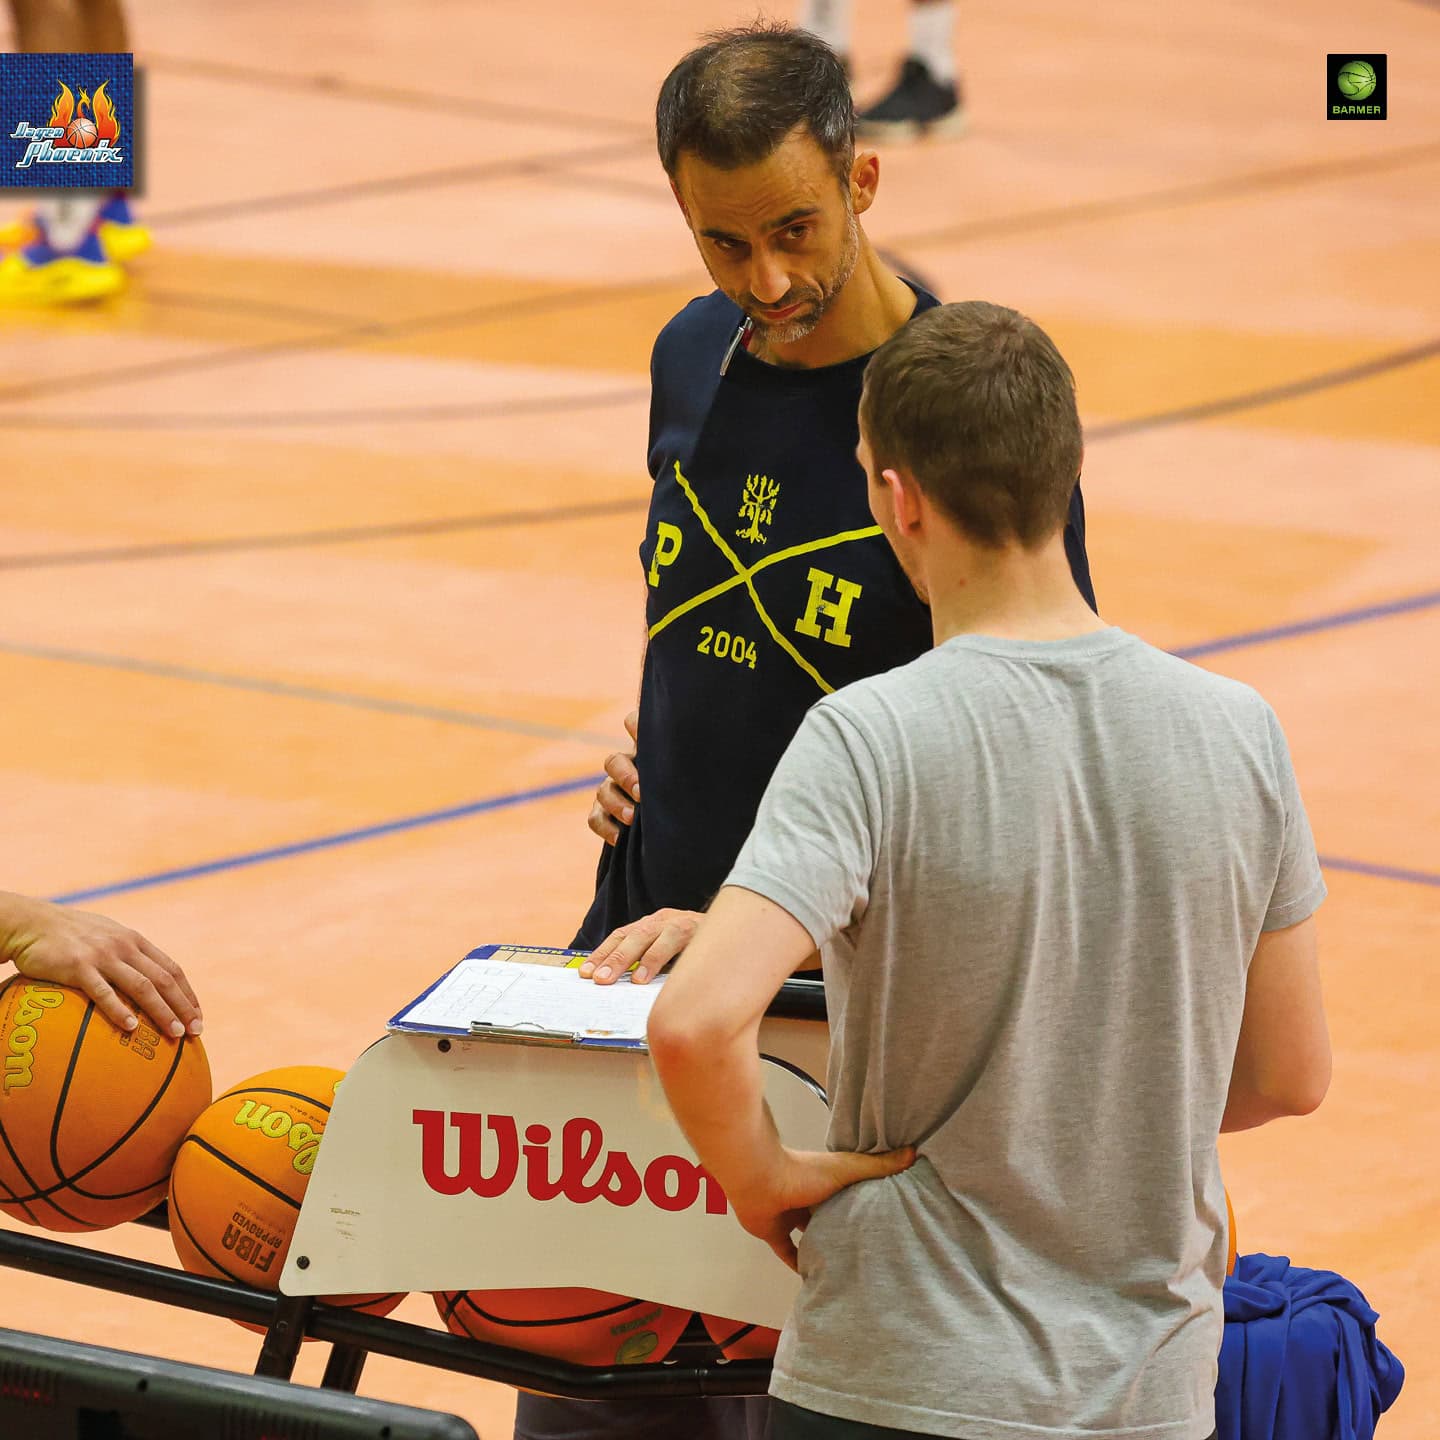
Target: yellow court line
pixel 743 577
pixel 726 585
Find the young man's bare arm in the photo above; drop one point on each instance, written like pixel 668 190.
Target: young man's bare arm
pixel 1282 1061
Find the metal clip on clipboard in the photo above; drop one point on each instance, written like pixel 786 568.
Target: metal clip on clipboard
pixel 523 1031
pixel 526 1033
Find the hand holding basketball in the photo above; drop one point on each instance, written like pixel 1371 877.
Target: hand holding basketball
pixel 107 961
pixel 783 1200
pixel 619 792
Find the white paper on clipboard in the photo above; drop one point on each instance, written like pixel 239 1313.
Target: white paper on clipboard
pixel 513 996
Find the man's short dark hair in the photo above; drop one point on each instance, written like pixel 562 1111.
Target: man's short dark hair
pixel 735 99
pixel 975 401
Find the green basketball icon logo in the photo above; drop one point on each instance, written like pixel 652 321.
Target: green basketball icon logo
pixel 1356 79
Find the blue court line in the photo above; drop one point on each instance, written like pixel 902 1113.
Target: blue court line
pixel 1379 872
pixel 1336 621
pixel 330 842
pixel 505 802
pixel 524 797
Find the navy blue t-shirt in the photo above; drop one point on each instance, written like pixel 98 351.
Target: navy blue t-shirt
pixel 769 585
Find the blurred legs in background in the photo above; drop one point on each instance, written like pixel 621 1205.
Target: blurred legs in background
pixel 69 245
pixel 925 98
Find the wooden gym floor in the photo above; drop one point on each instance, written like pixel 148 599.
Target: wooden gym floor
pixel 319 604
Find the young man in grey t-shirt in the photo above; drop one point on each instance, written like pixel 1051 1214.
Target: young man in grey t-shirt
pixel 1063 885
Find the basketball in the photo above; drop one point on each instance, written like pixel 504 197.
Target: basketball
pixel 91 1117
pixel 81 133
pixel 241 1174
pixel 587 1327
pixel 739 1340
pixel 1230 1231
pixel 1357 79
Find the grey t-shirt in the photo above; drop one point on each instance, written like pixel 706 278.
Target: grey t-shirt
pixel 1038 871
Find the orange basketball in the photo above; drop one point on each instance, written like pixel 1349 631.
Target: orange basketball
pixel 587 1327
pixel 1230 1230
pixel 90 1116
pixel 241 1174
pixel 741 1341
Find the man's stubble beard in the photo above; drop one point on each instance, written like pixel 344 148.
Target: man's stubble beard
pixel 789 332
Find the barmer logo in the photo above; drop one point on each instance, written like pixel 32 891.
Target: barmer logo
pixel 1355 87
pixel 67 121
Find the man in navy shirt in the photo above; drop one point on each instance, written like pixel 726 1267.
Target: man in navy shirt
pixel 768 583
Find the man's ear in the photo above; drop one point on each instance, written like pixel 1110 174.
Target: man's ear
pixel 680 201
pixel 864 181
pixel 906 498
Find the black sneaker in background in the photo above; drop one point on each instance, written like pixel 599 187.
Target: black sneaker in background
pixel 919 104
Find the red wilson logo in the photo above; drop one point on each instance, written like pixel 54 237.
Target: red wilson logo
pixel 586 1170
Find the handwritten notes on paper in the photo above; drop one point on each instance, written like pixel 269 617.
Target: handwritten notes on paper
pixel 503 994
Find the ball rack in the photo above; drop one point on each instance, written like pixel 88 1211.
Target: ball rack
pixel 694 1368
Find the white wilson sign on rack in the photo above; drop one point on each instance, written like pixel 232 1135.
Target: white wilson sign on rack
pixel 474 1164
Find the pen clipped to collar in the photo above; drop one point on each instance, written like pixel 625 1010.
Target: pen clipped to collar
pixel 741 341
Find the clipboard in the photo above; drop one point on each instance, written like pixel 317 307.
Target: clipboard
pixel 457 1003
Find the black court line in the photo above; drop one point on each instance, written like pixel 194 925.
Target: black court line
pixel 339 87
pixel 339 535
pixel 290 419
pixel 1270 394
pixel 350 699
pixel 519 166
pixel 1229 405
pixel 646 190
pixel 493 312
pixel 329 419
pixel 1174 197
pixel 583 297
pixel 1048 218
pixel 163 297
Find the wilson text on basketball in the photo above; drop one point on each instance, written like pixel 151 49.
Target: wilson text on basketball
pixel 303 1139
pixel 21 1060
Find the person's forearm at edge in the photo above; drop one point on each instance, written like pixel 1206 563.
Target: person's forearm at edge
pixel 704 1036
pixel 16 917
pixel 715 1089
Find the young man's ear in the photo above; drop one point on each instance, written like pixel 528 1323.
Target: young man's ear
pixel 905 499
pixel 680 201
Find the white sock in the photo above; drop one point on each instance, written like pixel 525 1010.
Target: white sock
pixel 830 21
pixel 932 37
pixel 68 217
